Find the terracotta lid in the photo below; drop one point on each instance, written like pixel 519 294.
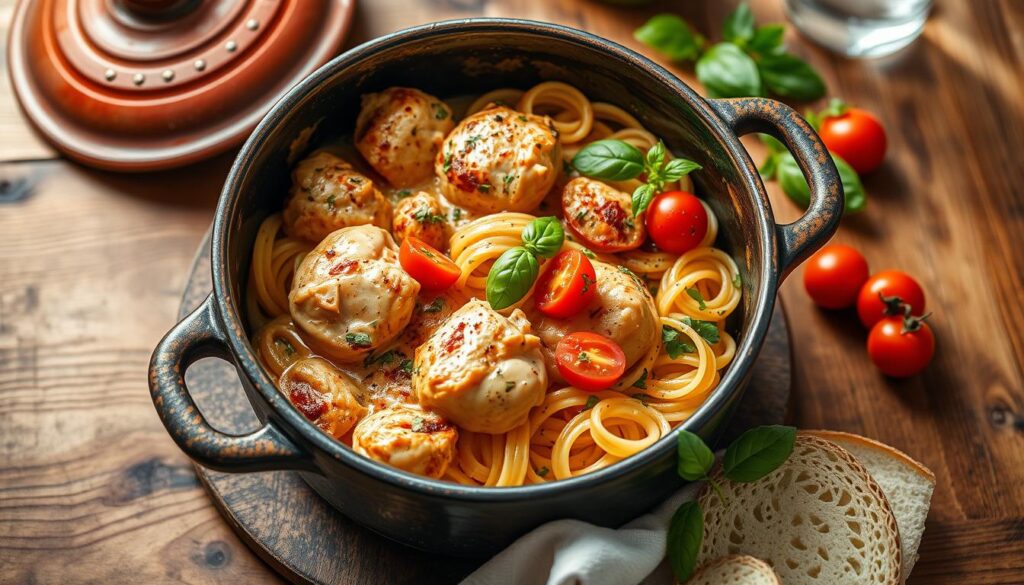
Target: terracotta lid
pixel 135 85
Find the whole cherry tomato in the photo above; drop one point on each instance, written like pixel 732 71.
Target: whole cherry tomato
pixel 589 361
pixel 901 346
pixel 432 269
pixel 834 276
pixel 856 136
pixel 884 293
pixel 566 285
pixel 676 221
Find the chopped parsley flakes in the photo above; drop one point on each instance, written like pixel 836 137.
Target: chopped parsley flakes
pixel 674 344
pixel 358 339
pixel 695 295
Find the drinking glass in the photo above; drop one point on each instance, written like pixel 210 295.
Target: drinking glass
pixel 860 28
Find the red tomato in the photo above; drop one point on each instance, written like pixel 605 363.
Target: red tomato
pixel 589 361
pixel 901 347
pixel 857 137
pixel 432 269
pixel 676 221
pixel 882 294
pixel 566 286
pixel 834 276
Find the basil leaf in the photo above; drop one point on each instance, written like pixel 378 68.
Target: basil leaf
pixel 773 143
pixel 769 167
pixel 793 184
pixel 671 35
pixel 853 190
pixel 511 277
pixel 726 71
pixel 695 458
pixel 790 76
pixel 706 329
pixel 673 343
pixel 642 197
pixel 678 168
pixel 758 452
pixel 739 26
pixel 655 158
pixel 612 160
pixel 685 536
pixel 767 39
pixel 544 236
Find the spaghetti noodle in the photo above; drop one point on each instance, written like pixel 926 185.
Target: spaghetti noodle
pixel 571 432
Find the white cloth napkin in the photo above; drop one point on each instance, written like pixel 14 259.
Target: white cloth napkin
pixel 570 552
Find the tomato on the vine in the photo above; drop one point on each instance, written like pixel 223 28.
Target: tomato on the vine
pixel 589 361
pixel 856 136
pixel 432 269
pixel 834 276
pixel 676 221
pixel 901 346
pixel 885 293
pixel 566 285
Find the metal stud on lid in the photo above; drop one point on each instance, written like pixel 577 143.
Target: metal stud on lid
pixel 137 85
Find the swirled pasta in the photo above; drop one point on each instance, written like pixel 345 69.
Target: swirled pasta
pixel 570 432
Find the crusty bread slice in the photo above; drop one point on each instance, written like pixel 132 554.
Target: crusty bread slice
pixel 907 485
pixel 819 519
pixel 735 570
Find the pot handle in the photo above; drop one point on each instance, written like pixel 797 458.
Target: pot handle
pixel 799 239
pixel 198 336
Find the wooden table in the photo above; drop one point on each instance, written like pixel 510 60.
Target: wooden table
pixel 92 266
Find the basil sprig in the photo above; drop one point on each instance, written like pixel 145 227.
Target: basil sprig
pixel 511 277
pixel 781 165
pixel 750 61
pixel 544 236
pixel 611 160
pixel 754 455
pixel 617 160
pixel 514 272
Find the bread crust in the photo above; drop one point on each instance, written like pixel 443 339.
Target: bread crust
pixel 895 453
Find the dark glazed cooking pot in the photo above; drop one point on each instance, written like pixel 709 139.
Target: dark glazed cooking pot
pixel 470 57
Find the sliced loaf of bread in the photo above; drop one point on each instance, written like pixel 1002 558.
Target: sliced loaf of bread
pixel 819 519
pixel 735 570
pixel 907 485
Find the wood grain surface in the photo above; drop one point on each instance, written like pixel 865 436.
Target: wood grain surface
pixel 92 266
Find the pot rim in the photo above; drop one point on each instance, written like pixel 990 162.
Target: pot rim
pixel 746 349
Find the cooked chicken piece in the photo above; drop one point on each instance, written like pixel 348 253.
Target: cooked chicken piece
pixel 408 438
pixel 482 371
pixel 622 310
pixel 399 131
pixel 388 378
pixel 350 296
pixel 421 216
pixel 389 373
pixel 602 216
pixel 323 394
pixel 499 160
pixel 328 194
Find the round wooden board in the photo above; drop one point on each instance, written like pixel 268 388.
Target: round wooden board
pixel 307 541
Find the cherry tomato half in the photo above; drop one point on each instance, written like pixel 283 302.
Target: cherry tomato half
pixel 856 136
pixel 589 361
pixel 882 294
pixel 900 350
pixel 834 276
pixel 566 286
pixel 676 221
pixel 432 269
